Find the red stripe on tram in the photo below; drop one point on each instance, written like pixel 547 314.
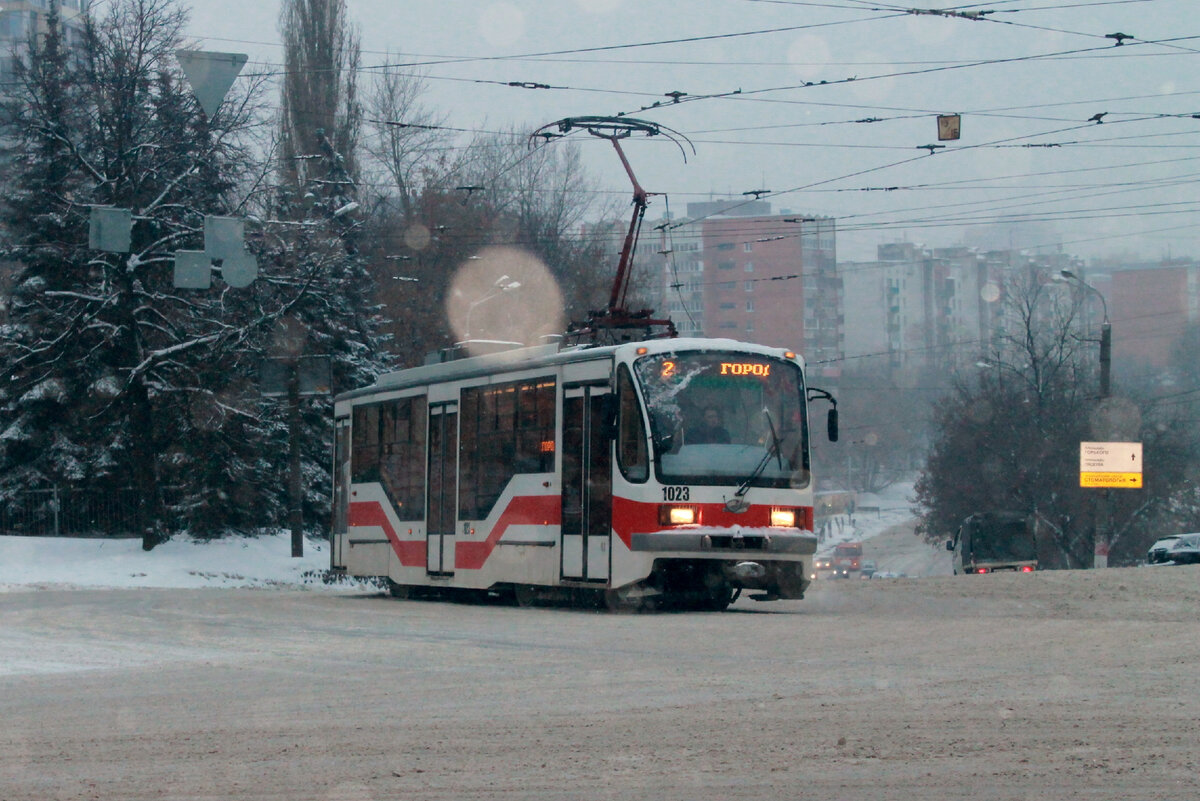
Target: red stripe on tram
pixel 370 513
pixel 525 510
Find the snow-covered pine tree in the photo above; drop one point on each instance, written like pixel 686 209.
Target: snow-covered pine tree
pixel 312 245
pixel 116 379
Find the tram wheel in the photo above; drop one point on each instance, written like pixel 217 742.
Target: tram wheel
pixel 524 595
pixel 399 590
pixel 718 598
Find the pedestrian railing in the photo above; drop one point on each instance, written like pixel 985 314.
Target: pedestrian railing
pixel 72 513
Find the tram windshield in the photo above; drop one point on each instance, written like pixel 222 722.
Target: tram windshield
pixel 721 418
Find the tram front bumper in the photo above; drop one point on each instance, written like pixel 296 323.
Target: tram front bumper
pixel 719 542
pixel 767 559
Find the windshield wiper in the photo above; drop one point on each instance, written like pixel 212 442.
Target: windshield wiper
pixel 776 445
pixel 738 503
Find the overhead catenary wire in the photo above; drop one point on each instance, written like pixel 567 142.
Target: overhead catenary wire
pixel 1124 50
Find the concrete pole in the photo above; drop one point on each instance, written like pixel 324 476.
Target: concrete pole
pixel 295 487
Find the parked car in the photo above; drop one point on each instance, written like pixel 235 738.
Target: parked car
pixel 1186 550
pixel 1157 554
pixel 868 568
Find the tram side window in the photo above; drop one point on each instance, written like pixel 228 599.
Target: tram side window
pixel 364 460
pixel 402 456
pixel 631 432
pixel 389 447
pixel 506 429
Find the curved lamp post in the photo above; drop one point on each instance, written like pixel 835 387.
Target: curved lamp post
pixel 1105 333
pixel 1104 521
pixel 502 286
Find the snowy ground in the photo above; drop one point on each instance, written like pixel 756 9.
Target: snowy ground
pixel 31 563
pixel 1058 685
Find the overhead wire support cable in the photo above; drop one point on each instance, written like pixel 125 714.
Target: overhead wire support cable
pixel 751 94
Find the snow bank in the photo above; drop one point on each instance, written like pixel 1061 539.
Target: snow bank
pixel 31 563
pixel 28 563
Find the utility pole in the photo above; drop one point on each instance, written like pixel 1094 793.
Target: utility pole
pixel 1101 559
pixel 291 378
pixel 1105 355
pixel 295 486
pixel 1104 512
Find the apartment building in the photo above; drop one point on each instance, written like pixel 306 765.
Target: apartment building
pixel 936 308
pixel 22 19
pixel 1152 307
pixel 734 269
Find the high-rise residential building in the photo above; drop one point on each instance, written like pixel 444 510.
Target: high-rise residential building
pixel 1151 310
pixel 681 277
pixel 735 270
pixel 933 308
pixel 22 19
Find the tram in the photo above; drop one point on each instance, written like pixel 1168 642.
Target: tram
pixel 583 472
pixel 615 466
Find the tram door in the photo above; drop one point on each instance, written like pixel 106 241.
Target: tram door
pixel 341 492
pixel 586 483
pixel 443 489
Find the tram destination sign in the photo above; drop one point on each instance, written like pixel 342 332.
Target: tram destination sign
pixel 1110 465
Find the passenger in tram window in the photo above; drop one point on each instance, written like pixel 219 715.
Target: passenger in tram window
pixel 709 429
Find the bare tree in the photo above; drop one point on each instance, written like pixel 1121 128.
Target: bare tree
pixel 407 138
pixel 1007 437
pixel 1038 344
pixel 496 190
pixel 320 87
pixel 541 197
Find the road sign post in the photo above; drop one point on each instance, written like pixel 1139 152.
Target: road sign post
pixel 1108 466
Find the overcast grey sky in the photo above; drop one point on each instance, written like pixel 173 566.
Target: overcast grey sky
pixel 1027 77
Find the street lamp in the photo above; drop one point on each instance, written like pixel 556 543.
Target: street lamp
pixel 1105 332
pixel 503 285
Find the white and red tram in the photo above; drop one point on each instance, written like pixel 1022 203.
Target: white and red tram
pixel 579 472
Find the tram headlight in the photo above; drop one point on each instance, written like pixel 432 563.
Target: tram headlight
pixel 671 515
pixel 783 518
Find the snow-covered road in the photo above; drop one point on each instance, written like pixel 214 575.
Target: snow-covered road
pixel 1053 685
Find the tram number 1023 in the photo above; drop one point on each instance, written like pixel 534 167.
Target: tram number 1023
pixel 677 493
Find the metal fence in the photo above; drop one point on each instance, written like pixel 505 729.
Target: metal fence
pixel 72 513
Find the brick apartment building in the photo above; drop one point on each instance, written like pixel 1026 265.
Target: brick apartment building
pixel 1152 307
pixel 736 270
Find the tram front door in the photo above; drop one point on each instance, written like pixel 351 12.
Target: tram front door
pixel 586 483
pixel 443 489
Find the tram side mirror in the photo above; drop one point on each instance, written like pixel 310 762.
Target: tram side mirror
pixel 831 422
pixel 663 443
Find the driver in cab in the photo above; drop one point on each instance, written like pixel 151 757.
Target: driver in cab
pixel 709 429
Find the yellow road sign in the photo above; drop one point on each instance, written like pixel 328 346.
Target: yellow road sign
pixel 1111 480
